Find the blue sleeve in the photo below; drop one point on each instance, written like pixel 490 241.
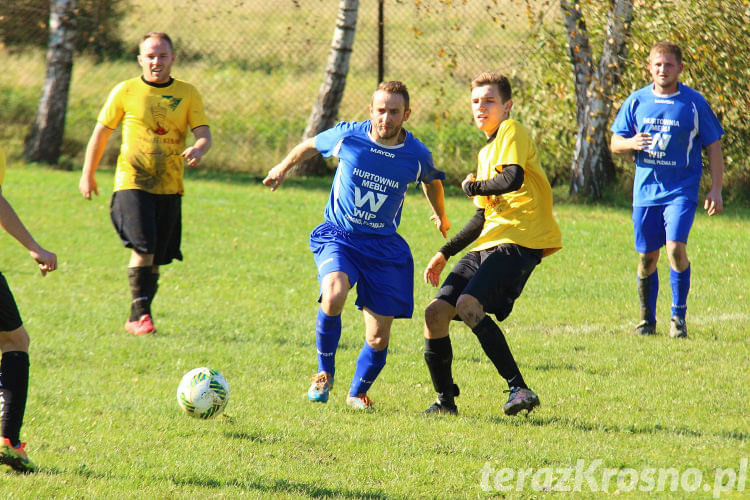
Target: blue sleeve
pixel 709 126
pixel 327 141
pixel 625 124
pixel 428 171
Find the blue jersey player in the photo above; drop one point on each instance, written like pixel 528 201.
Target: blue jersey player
pixel 358 243
pixel 667 125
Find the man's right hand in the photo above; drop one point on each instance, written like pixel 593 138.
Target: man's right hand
pixel 87 185
pixel 434 268
pixel 275 177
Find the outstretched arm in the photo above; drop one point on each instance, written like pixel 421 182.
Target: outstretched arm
pixel 301 152
pixel 194 153
pixel 94 152
pixel 714 204
pixel 435 195
pixel 11 223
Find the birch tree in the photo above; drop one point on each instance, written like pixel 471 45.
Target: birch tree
pixel 326 108
pixel 45 139
pixel 595 85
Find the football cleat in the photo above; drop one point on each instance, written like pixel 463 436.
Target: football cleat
pixel 142 326
pixel 360 402
pixel 441 408
pixel 520 399
pixel 16 458
pixel 645 328
pixel 321 386
pixel 678 328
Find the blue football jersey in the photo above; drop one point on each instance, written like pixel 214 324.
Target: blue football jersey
pixel 681 125
pixel 371 180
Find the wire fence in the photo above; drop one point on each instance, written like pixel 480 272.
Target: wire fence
pixel 259 65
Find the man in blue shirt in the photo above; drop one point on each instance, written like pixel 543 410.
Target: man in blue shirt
pixel 667 125
pixel 358 242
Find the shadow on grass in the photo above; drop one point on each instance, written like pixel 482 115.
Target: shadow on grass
pixel 736 435
pixel 253 437
pixel 281 486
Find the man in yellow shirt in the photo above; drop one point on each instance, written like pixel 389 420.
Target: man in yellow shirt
pixel 14 344
pixel 156 111
pixel 512 230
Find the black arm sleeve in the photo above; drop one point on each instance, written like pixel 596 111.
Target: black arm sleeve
pixel 465 236
pixel 510 179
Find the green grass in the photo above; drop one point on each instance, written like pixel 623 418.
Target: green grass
pixel 102 420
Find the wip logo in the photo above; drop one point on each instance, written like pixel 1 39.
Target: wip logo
pixel 660 140
pixel 381 152
pixel 369 198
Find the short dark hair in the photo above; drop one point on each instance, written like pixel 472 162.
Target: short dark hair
pixel 395 87
pixel 491 78
pixel 160 35
pixel 666 48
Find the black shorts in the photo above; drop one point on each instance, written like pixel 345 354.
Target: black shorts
pixel 149 223
pixel 10 319
pixel 495 277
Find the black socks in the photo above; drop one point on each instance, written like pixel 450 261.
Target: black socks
pixel 495 346
pixel 14 386
pixel 438 354
pixel 143 285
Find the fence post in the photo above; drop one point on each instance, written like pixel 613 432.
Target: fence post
pixel 381 42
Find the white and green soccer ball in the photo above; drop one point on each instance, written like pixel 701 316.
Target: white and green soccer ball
pixel 203 393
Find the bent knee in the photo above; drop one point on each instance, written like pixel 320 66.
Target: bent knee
pixel 15 340
pixel 468 305
pixel 378 343
pixel 437 313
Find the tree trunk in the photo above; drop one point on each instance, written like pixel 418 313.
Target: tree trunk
pixel 325 111
pixel 592 169
pixel 45 139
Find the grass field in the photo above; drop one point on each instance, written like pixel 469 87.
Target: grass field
pixel 102 420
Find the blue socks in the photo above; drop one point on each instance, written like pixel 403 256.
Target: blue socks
pixel 680 287
pixel 648 292
pixel 369 364
pixel 327 335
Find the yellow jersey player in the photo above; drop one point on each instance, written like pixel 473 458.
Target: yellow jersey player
pixel 14 344
pixel 512 230
pixel 156 111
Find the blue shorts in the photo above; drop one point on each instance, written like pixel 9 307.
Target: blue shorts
pixel 654 226
pixel 381 266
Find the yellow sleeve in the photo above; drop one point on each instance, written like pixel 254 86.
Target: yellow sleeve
pixel 514 147
pixel 196 115
pixel 113 109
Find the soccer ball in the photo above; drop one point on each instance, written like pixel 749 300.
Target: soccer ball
pixel 203 393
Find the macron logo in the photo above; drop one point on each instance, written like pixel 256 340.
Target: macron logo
pixel 383 153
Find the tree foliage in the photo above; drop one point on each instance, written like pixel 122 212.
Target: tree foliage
pixel 25 22
pixel 713 35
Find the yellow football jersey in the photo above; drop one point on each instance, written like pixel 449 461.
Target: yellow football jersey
pixel 524 216
pixel 155 121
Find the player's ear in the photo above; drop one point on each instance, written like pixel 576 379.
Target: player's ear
pixel 407 113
